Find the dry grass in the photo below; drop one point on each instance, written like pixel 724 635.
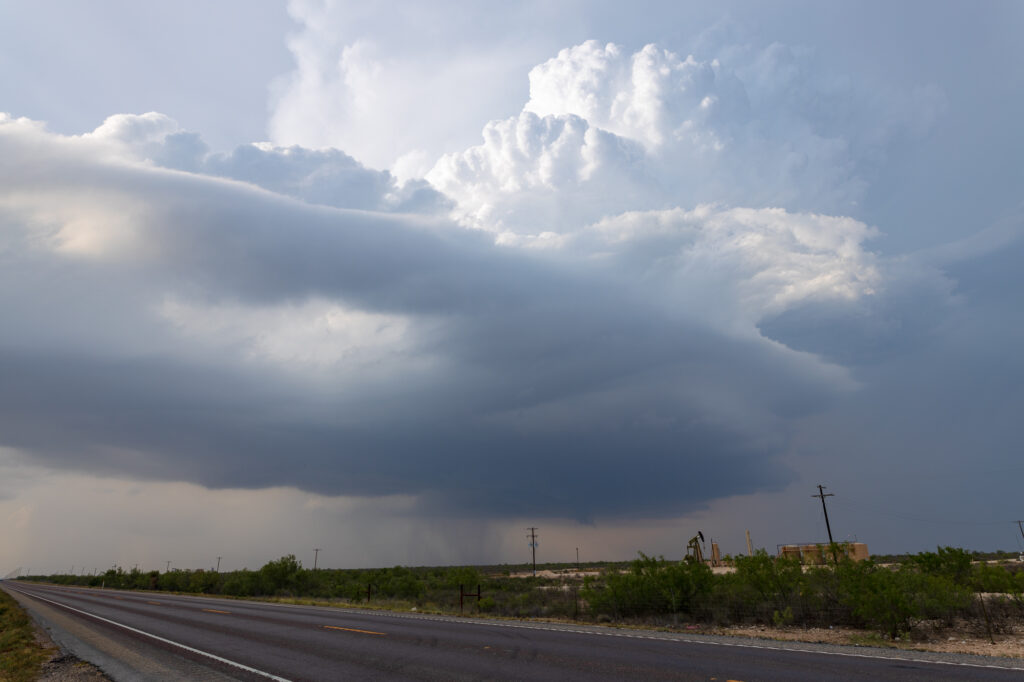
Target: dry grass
pixel 21 656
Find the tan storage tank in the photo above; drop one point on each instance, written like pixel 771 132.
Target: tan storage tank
pixel 790 552
pixel 858 551
pixel 812 554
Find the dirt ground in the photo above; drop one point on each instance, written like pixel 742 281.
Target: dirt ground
pixel 565 573
pixel 959 641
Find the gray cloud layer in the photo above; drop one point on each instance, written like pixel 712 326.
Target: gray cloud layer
pixel 573 340
pixel 550 373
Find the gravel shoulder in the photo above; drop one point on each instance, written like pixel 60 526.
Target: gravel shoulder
pixel 1008 644
pixel 64 667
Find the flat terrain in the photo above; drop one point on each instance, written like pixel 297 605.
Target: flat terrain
pixel 134 635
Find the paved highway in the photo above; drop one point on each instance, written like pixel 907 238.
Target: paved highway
pixel 152 636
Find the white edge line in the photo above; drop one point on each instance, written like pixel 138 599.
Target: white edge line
pixel 161 639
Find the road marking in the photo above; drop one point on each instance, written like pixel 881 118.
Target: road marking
pixel 154 603
pixel 215 657
pixel 216 611
pixel 365 632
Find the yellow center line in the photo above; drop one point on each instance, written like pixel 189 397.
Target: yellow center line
pixel 216 611
pixel 365 632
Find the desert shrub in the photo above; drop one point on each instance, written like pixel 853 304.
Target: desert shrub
pixel 280 575
pixel 893 600
pixel 763 585
pixel 951 563
pixel 466 576
pixel 994 578
pixel 242 583
pixel 651 586
pixel 204 582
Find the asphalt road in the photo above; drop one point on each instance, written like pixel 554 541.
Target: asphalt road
pixel 152 636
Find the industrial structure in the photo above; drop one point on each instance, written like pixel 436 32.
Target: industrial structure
pixel 815 554
pixel 807 553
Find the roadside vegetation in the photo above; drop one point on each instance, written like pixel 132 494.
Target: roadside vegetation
pixel 930 590
pixel 21 656
pixel 937 589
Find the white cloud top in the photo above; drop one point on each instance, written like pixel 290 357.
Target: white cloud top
pixel 605 132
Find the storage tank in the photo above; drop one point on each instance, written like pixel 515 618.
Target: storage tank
pixel 790 552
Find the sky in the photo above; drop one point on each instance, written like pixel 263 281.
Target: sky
pixel 398 281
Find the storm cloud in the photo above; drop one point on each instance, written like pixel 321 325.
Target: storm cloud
pixel 597 361
pixel 643 281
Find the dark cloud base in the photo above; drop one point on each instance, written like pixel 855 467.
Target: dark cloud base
pixel 156 420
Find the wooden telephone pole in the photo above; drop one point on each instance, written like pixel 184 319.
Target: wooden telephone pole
pixel 533 546
pixel 822 495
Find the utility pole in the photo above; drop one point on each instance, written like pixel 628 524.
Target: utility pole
pixel 316 554
pixel 822 495
pixel 577 559
pixel 218 564
pixel 533 545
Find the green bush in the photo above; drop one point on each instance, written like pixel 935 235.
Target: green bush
pixel 994 578
pixel 946 562
pixel 280 576
pixel 892 601
pixel 240 584
pixel 763 585
pixel 651 586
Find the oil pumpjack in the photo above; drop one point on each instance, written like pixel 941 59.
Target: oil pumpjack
pixel 694 553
